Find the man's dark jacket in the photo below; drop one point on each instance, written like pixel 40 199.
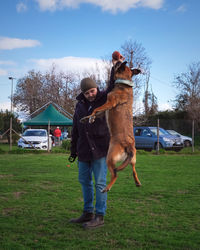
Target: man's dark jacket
pixel 90 141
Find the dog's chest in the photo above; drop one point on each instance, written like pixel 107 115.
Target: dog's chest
pixel 119 118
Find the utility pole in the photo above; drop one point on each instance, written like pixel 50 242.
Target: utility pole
pixel 11 110
pixel 193 136
pixel 158 143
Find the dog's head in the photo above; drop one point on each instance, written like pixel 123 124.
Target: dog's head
pixel 124 72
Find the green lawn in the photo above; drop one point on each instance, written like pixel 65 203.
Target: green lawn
pixel 39 194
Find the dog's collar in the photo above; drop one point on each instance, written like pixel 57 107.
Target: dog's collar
pixel 126 82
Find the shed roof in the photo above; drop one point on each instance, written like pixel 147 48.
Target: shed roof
pixel 50 114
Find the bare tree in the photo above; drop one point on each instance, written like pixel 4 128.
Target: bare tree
pixel 28 92
pixel 135 54
pixel 188 84
pixel 150 100
pixel 100 73
pixel 146 96
pixel 70 90
pixel 36 89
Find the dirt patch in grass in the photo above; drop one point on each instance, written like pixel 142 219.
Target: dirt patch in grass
pixel 6 175
pixel 4 198
pixel 7 211
pixel 48 185
pixel 155 198
pixel 182 191
pixel 17 195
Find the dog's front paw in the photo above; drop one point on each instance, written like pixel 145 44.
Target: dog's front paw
pixel 105 190
pixel 84 119
pixel 92 119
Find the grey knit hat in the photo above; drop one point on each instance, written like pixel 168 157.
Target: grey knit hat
pixel 87 83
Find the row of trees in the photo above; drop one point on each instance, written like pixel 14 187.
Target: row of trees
pixel 37 88
pixel 188 99
pixel 5 124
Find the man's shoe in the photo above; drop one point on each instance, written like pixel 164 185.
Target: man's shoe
pixel 98 221
pixel 85 217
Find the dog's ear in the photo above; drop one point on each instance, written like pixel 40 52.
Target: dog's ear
pixel 117 66
pixel 120 66
pixel 123 65
pixel 135 71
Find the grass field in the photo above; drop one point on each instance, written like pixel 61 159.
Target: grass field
pixel 39 194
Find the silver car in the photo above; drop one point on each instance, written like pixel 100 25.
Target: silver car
pixel 187 141
pixel 35 139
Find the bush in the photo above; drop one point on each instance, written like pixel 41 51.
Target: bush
pixel 24 151
pixel 58 150
pixel 66 144
pixel 197 140
pixel 2 151
pixel 142 152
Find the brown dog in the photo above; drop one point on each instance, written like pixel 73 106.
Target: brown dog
pixel 119 115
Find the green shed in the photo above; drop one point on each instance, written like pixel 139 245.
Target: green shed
pixel 50 116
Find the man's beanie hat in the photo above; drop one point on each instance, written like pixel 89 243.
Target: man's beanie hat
pixel 116 55
pixel 87 83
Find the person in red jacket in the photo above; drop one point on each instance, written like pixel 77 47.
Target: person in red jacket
pixel 57 135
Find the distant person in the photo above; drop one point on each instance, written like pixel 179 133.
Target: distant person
pixel 57 135
pixel 65 134
pixel 52 136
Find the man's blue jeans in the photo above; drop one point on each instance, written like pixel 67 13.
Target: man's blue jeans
pixel 99 169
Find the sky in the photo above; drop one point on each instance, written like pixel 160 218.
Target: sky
pixel 34 34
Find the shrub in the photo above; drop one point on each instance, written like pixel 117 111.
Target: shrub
pixel 66 144
pixel 2 151
pixel 142 152
pixel 24 151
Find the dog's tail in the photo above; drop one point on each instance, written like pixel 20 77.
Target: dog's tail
pixel 129 152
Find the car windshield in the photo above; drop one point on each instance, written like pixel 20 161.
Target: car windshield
pixel 172 132
pixel 161 131
pixel 34 133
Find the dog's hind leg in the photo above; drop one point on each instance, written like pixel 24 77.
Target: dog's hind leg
pixel 114 155
pixel 113 173
pixel 129 155
pixel 133 162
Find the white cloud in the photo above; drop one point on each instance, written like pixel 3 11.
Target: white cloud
pixel 21 7
pixel 106 5
pixel 7 43
pixel 165 106
pixel 182 8
pixel 74 64
pixel 4 106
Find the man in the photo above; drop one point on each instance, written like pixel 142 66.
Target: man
pixel 90 143
pixel 57 135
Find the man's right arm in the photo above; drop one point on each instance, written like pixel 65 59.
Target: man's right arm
pixel 74 140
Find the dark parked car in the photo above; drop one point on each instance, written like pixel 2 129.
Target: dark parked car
pixel 146 138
